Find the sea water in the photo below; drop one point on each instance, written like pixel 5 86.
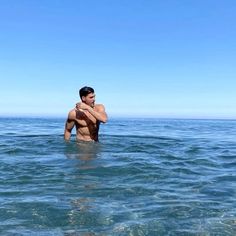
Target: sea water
pixel 144 177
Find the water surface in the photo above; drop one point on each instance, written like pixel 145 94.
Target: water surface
pixel 144 177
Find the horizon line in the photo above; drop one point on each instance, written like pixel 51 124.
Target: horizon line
pixel 179 117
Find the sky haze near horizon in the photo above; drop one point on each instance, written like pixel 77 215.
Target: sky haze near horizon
pixel 173 59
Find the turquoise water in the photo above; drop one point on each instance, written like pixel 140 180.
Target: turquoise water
pixel 145 177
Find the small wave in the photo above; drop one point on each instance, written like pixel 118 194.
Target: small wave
pixel 140 136
pixel 15 135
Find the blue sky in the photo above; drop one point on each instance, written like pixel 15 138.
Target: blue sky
pixel 144 58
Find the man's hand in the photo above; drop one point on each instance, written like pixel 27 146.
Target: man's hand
pixel 82 106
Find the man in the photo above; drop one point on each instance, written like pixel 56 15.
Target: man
pixel 86 117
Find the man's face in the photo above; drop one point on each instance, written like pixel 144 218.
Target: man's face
pixel 89 99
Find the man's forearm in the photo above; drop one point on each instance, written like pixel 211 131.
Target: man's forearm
pixel 99 116
pixel 67 135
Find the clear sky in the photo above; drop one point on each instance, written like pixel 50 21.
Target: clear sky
pixel 144 58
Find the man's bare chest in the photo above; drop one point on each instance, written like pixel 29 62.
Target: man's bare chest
pixel 84 118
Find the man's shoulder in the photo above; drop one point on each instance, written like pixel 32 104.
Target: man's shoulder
pixel 99 106
pixel 72 114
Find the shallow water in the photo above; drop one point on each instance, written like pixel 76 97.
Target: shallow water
pixel 144 177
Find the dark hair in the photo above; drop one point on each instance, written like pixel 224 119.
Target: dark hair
pixel 83 92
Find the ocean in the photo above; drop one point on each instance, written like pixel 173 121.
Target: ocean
pixel 145 177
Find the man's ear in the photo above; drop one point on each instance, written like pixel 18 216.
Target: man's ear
pixel 83 98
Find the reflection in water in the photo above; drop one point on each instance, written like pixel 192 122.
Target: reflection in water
pixel 82 150
pixel 86 152
pixel 83 210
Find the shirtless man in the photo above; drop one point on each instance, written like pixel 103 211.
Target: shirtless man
pixel 86 117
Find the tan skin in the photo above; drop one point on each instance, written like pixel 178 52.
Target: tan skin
pixel 86 117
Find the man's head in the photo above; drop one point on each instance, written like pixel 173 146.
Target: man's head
pixel 87 95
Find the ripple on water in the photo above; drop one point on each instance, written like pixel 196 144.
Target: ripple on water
pixel 174 178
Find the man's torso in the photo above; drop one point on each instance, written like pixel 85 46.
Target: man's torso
pixel 86 126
